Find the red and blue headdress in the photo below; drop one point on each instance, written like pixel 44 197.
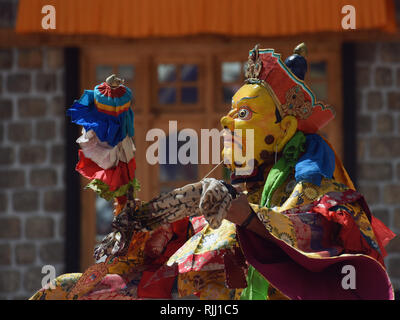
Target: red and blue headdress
pixel 285 83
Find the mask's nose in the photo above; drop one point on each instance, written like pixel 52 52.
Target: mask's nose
pixel 227 123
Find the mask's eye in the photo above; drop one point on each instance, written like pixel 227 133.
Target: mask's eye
pixel 244 113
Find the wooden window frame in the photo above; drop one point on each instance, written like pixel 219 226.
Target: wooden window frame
pixel 178 61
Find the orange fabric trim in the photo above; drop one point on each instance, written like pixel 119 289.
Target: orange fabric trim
pixel 111 109
pixel 169 18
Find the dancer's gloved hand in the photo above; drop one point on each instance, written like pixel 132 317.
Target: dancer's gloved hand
pixel 209 197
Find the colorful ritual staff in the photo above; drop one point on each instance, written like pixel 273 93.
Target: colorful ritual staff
pixel 107 155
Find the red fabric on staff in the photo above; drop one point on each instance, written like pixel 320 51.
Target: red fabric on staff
pixel 106 90
pixel 114 177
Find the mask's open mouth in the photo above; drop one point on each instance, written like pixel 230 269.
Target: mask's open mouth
pixel 230 138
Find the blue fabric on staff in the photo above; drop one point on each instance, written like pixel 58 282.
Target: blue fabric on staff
pixel 107 128
pixel 318 161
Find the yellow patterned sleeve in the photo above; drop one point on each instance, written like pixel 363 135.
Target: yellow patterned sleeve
pixel 276 223
pixel 289 196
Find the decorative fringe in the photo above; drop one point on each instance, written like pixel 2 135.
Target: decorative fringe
pixel 103 190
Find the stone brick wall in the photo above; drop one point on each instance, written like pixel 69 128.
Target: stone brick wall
pixel 31 167
pixel 378 137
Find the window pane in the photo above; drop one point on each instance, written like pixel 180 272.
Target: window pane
pixel 103 72
pixel 166 189
pixel 189 72
pixel 231 71
pixel 166 72
pixel 189 95
pixel 176 172
pixel 320 90
pixel 228 92
pixel 104 217
pixel 126 72
pixel 167 95
pixel 317 70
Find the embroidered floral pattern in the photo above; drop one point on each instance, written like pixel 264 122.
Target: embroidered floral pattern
pixel 296 105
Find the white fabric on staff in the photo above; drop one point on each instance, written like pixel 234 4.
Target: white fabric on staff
pixel 102 153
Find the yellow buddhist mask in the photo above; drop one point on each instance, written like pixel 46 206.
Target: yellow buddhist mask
pixel 254 109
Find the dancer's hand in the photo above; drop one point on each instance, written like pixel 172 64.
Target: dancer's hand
pixel 209 197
